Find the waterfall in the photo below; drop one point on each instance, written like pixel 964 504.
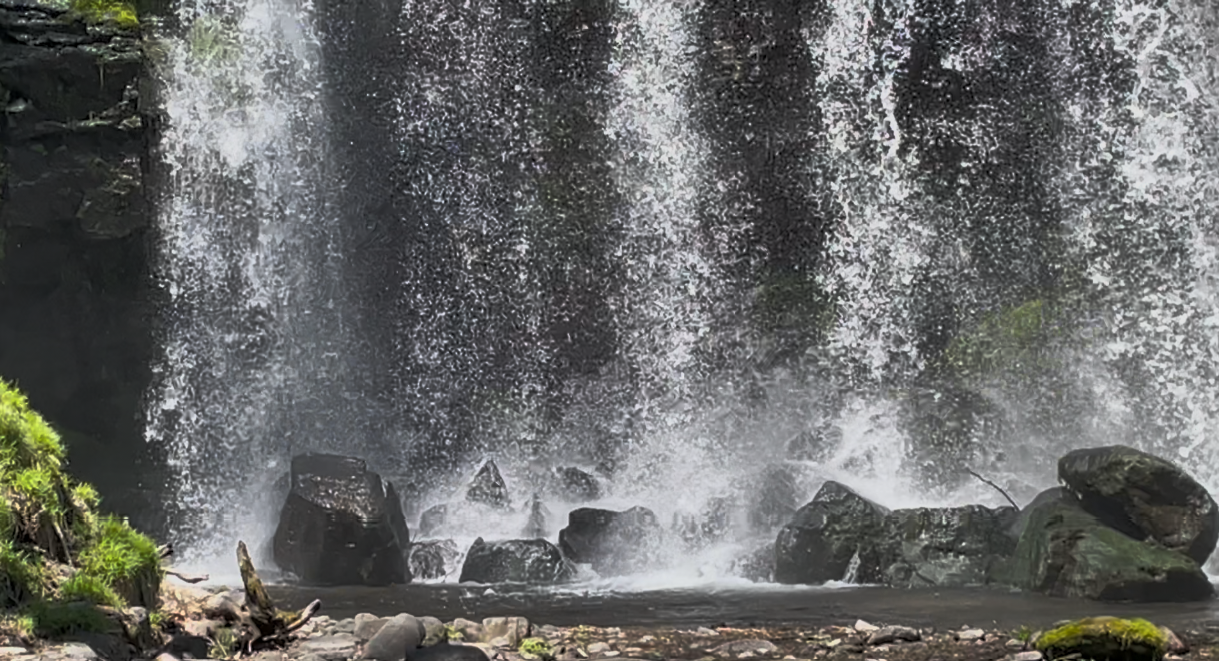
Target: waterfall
pixel 684 245
pixel 251 296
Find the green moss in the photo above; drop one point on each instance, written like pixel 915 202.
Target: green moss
pixel 452 633
pixel 1012 338
pixel 1105 638
pixel 224 644
pixel 52 619
pixel 536 648
pixel 119 12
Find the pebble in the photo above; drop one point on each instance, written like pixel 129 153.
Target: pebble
pixel 969 635
pixel 598 648
pixel 1031 655
pixel 865 627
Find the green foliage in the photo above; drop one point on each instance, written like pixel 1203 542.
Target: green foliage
pixel 52 618
pixel 1024 634
pixel 22 575
pixel 83 587
pixel 452 633
pixel 224 644
pixel 46 519
pixel 157 619
pixel 1103 638
pixel 536 648
pixel 119 12
pixel 124 560
pixel 1011 339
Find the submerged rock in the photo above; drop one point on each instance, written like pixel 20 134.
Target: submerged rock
pixel 832 538
pixel 1145 497
pixel 489 487
pixel 532 561
pixel 613 543
pixel 1065 551
pixel 341 525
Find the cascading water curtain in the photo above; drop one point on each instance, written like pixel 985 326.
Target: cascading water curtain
pixel 247 261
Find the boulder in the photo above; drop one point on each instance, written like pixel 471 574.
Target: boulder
pixel 945 546
pixel 1105 638
pixel 757 565
pixel 576 486
pixel 614 543
pixel 341 525
pixel 1065 551
pixel 489 487
pixel 776 497
pixel 539 519
pixel 1143 496
pixel 432 559
pixel 432 519
pixel 532 561
pixel 1051 495
pixel 832 538
pixel 709 525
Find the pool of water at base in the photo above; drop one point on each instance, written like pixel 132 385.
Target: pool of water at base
pixel 763 606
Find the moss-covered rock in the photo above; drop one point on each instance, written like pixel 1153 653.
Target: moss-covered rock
pixel 535 648
pixel 1105 639
pixel 118 12
pixel 57 549
pixel 1144 496
pixel 1065 551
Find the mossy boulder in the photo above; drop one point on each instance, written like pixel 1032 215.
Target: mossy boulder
pixel 1065 551
pixel 1145 497
pixel 57 549
pixel 1105 639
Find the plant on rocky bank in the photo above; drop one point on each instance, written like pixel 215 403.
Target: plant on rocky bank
pixel 60 558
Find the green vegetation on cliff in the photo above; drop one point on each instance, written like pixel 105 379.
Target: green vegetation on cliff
pixel 57 554
pixel 1010 339
pixel 120 12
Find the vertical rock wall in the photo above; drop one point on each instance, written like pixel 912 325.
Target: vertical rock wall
pixel 74 301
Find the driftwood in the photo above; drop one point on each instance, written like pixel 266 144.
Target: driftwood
pixel 188 578
pixel 271 624
pixel 993 485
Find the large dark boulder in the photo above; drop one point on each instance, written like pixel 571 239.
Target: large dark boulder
pixel 1145 497
pixel 341 525
pixel 614 543
pixel 944 546
pixel 532 561
pixel 832 538
pixel 1065 551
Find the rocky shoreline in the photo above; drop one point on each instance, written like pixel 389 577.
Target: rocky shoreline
pixel 198 624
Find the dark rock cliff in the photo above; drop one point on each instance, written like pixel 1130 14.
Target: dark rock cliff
pixel 74 217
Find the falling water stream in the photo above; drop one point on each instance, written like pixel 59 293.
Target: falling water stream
pixel 661 240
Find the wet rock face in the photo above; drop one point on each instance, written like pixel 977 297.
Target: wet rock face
pixel 532 561
pixel 945 546
pixel 489 488
pixel 75 330
pixel 341 525
pixel 614 543
pixel 432 559
pixel 1143 496
pixel 831 539
pixel 1065 551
